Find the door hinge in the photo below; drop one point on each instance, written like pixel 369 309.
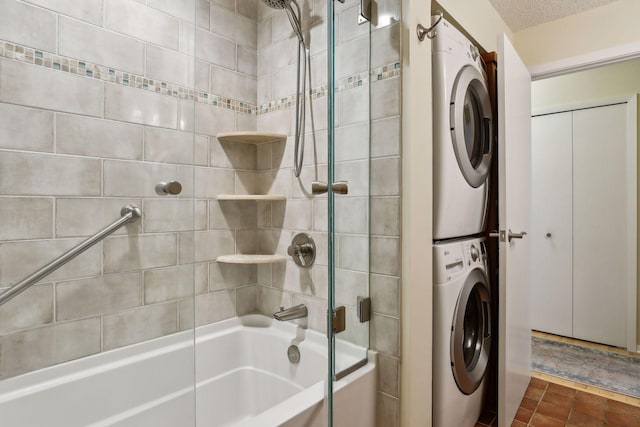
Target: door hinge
pixel 364 309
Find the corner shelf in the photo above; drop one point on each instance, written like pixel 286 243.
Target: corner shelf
pixel 251 137
pixel 251 259
pixel 258 197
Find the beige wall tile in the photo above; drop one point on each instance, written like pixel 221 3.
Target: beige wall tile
pixel 86 216
pixel 351 215
pixel 215 49
pixel 168 65
pixel 352 142
pixel 353 252
pixel 387 42
pixel 139 324
pixel 134 19
pixel 203 14
pixel 233 155
pixel 270 300
pixel 98 296
pixel 357 174
pixel 385 216
pixel 28 25
pixel 200 246
pixel 213 307
pixel 246 300
pixel 127 253
pixel 90 43
pixel 169 146
pixel 385 137
pixel 26 128
pixel 20 259
pixel 166 215
pixel 210 120
pixel 387 411
pixel 229 276
pixel 385 177
pixel 128 104
pixel 233 215
pixel 210 182
pixel 385 334
pixel 385 257
pixel 247 62
pixel 87 136
pixel 183 9
pixel 26 218
pixel 349 286
pixel 385 294
pixel 292 215
pixel 33 307
pixel 353 105
pixel 87 10
pixel 173 283
pixel 36 86
pixel 136 179
pixel 36 174
pixel 33 349
pixel 388 374
pixel 234 85
pixel 385 98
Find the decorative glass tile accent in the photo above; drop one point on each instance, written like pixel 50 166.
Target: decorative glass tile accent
pixel 83 68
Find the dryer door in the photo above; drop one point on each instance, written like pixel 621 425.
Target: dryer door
pixel 471 333
pixel 471 125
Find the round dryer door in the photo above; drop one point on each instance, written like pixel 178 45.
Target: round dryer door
pixel 471 333
pixel 471 125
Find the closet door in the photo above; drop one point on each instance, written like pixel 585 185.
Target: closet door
pixel 551 224
pixel 600 224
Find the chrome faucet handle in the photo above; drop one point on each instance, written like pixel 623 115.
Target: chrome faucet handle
pixel 302 250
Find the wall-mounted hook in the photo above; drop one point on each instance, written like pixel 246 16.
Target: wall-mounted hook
pixel 421 31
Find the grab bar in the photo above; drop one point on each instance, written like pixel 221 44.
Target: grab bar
pixel 128 214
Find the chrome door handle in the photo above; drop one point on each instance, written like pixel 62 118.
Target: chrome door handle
pixel 507 236
pixel 339 187
pixel 513 235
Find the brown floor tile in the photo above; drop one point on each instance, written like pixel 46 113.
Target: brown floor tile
pixel 558 399
pixel 560 389
pixel 587 408
pixel 524 415
pixel 591 399
pixel 538 383
pixel 534 393
pixel 540 420
pixel 622 420
pixel 581 419
pixel 623 408
pixel 559 412
pixel 517 423
pixel 528 403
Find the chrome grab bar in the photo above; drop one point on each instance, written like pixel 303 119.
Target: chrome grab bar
pixel 128 214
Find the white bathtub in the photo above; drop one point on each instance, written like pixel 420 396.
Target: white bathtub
pixel 242 378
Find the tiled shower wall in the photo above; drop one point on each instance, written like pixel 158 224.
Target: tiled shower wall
pixel 99 102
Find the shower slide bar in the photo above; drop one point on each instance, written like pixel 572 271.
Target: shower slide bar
pixel 129 213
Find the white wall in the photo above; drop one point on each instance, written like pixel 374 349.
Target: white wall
pixel 596 29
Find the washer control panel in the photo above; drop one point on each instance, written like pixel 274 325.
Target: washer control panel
pixel 451 260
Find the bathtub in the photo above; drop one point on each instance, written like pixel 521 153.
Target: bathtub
pixel 243 378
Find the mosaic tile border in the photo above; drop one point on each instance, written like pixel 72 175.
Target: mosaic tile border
pixel 45 59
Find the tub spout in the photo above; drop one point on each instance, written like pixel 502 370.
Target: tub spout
pixel 291 313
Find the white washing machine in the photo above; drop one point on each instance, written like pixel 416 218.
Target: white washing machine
pixel 462 331
pixel 463 135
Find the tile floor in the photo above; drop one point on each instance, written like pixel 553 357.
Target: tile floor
pixel 551 405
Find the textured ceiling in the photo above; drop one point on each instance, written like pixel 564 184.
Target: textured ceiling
pixel 521 14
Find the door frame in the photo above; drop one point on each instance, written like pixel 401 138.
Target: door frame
pixel 631 102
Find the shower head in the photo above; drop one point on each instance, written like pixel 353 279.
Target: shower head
pixel 276 4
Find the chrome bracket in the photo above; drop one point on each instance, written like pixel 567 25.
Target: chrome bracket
pixel 364 12
pixel 364 309
pixel 339 319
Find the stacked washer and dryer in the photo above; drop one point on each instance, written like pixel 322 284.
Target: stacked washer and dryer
pixel 463 136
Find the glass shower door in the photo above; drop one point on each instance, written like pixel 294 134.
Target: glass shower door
pixel 349 40
pixel 97 155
